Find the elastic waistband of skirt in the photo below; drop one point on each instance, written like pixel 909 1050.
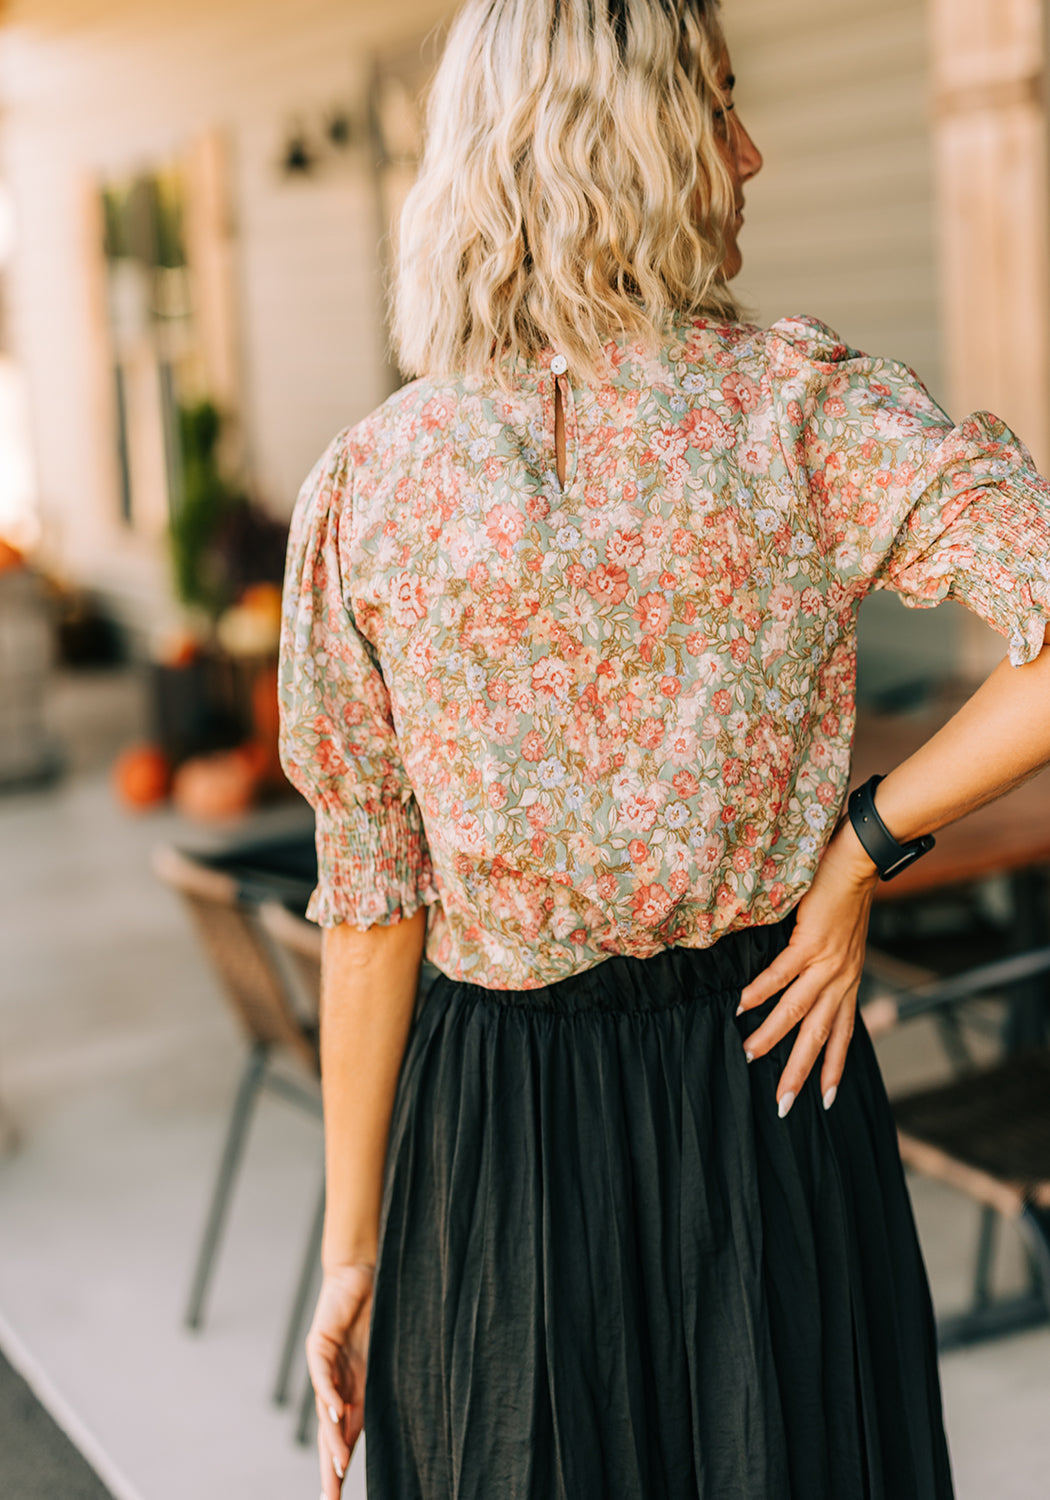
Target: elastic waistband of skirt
pixel 625 983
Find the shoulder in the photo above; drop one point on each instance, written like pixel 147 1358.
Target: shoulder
pixel 409 420
pixel 783 347
pixel 801 345
pixel 810 361
pixel 803 340
pixel 701 336
pixel 415 419
pixel 408 417
pixel 393 422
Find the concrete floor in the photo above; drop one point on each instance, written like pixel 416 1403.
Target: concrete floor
pixel 117 1065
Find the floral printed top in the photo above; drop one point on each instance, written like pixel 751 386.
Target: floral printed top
pixel 616 716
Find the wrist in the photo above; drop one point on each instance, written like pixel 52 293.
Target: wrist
pixel 850 854
pixel 352 1252
pixel 885 850
pixel 338 1268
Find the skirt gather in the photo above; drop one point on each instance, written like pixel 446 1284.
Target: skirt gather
pixel 609 1271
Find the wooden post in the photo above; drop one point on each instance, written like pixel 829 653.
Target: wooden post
pixel 989 64
pixel 993 170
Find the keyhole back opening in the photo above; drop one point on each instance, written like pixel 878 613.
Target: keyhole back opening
pixel 559 433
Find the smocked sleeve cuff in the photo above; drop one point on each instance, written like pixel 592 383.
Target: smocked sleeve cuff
pixel 987 546
pixel 372 867
pixel 1029 622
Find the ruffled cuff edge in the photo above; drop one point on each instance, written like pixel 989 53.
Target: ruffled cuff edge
pixel 1021 615
pixel 1026 638
pixel 373 869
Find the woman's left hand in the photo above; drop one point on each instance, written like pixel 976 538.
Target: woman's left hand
pixel 821 969
pixel 337 1358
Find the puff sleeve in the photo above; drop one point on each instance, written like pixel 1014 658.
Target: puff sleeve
pixel 903 499
pixel 337 740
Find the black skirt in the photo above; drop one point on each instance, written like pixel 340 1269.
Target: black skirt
pixel 609 1271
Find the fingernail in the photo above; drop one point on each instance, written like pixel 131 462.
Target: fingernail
pixel 334 1415
pixel 787 1100
pixel 739 1008
pixel 749 1055
pixel 336 1466
pixel 829 1097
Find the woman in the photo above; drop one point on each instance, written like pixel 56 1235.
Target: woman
pixel 568 674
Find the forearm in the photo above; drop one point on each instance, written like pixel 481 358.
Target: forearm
pixel 996 741
pixel 368 992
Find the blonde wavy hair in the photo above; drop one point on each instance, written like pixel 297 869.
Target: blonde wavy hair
pixel 571 187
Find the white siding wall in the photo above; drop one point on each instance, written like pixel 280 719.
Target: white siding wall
pixel 841 222
pixel 109 86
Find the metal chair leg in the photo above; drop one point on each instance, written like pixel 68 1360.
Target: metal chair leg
pixel 1005 1315
pixel 982 1294
pixel 247 1092
pixel 297 1317
pixel 307 1415
pixel 1026 1018
pixel 1034 1224
pixel 954 1042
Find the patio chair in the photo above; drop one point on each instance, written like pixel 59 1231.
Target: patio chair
pixel 985 1132
pixel 254 987
pixel 300 941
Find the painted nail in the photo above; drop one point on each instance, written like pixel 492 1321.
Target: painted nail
pixel 334 1415
pixel 829 1097
pixel 786 1102
pixel 739 1009
pixel 749 1055
pixel 337 1466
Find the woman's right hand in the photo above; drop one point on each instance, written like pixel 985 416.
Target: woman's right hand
pixel 337 1358
pixel 819 972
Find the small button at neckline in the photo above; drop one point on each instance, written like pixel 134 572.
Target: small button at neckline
pixel 559 364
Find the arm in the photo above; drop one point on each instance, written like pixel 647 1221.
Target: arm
pixel 997 740
pixel 368 991
pixel 339 747
pixel 902 499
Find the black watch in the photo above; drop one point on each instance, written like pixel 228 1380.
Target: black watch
pixel 888 856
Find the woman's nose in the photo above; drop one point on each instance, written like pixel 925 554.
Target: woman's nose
pixel 748 156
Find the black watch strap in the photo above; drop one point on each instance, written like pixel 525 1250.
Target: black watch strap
pixel 888 855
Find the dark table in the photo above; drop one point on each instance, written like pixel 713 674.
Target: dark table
pixel 1008 837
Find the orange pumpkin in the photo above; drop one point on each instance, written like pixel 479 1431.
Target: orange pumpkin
pixel 211 788
pixel 263 598
pixel 142 776
pixel 254 757
pixel 180 648
pixel 10 557
pixel 266 723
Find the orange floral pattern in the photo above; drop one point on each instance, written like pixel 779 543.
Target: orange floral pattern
pixel 618 716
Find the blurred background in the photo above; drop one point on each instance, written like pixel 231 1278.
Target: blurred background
pixel 196 204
